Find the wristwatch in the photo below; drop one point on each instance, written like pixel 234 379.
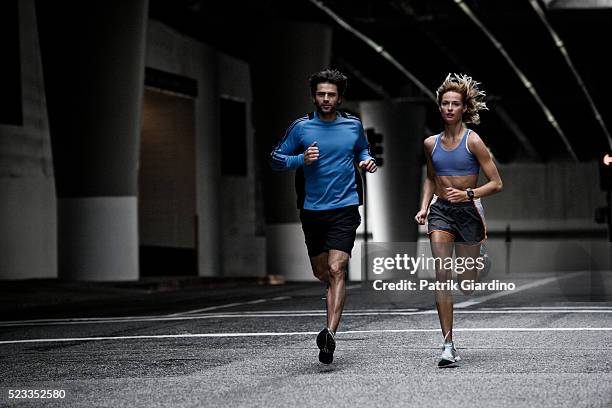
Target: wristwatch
pixel 470 193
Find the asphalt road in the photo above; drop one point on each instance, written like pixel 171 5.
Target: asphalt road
pixel 546 344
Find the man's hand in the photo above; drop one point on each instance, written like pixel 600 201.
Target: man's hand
pixel 420 217
pixel 455 195
pixel 368 165
pixel 311 154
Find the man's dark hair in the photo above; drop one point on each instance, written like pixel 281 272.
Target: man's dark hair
pixel 333 76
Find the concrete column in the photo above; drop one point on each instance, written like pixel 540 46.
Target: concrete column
pixel 394 190
pixel 93 62
pixel 28 246
pixel 285 56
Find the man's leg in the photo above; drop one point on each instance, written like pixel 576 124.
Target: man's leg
pixel 336 267
pixel 330 268
pixel 340 235
pixel 335 272
pixel 319 267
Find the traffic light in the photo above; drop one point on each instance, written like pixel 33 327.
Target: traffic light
pixel 376 148
pixel 604 214
pixel 605 171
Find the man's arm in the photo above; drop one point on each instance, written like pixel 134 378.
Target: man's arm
pixel 362 149
pixel 283 156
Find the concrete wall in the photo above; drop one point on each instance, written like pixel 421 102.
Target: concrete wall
pixel 28 233
pixel 243 247
pixel 546 197
pixel 172 52
pixel 228 243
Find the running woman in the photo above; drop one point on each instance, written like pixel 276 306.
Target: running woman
pixel 451 199
pixel 324 147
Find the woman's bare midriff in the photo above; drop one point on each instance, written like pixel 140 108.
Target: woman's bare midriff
pixel 458 182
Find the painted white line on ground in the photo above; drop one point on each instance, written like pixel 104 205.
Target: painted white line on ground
pixel 349 287
pixel 235 315
pixel 252 302
pixel 207 309
pixel 530 311
pixel 268 334
pixel 548 308
pixel 521 288
pixel 412 309
pixel 180 317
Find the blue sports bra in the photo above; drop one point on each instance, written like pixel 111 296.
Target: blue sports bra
pixel 457 162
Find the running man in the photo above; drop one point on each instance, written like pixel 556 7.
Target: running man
pixel 324 147
pixel 455 217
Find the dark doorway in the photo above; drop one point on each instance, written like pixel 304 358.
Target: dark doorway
pixel 167 195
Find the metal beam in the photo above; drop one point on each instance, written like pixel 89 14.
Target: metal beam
pixel 373 86
pixel 378 89
pixel 526 83
pixel 578 4
pixel 510 123
pixel 559 44
pixel 377 47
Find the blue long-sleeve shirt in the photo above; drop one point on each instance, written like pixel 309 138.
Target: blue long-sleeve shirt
pixel 330 180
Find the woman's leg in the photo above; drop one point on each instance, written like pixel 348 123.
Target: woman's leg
pixel 442 249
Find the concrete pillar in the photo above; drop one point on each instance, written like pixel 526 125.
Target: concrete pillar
pixel 285 56
pixel 28 245
pixel 394 191
pixel 93 62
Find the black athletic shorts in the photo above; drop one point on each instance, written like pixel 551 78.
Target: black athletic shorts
pixel 464 220
pixel 330 229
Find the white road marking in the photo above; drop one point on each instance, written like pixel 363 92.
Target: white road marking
pixel 521 288
pixel 268 334
pixel 207 309
pixel 548 308
pixel 529 311
pixel 412 309
pixel 252 302
pixel 266 314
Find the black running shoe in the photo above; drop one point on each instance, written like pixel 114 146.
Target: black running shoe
pixel 326 342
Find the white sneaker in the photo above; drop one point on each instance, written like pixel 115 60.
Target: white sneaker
pixel 449 355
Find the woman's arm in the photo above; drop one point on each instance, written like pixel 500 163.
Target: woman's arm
pixel 494 185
